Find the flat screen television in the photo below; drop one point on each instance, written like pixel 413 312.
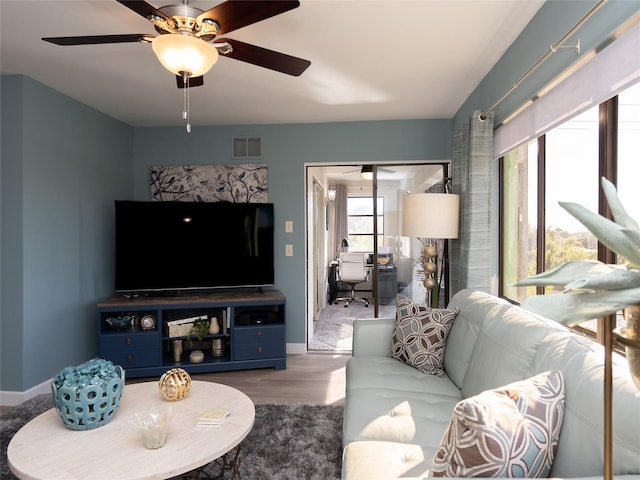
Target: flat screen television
pixel 175 246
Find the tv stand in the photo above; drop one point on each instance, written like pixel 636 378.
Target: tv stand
pixel 251 332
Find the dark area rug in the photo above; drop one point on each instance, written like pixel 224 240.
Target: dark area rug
pixel 287 442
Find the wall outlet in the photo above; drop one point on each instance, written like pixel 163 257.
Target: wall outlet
pixel 288 250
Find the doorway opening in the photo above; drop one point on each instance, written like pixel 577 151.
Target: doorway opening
pixel 354 214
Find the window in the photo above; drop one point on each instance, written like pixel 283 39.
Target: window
pixel 360 223
pixel 571 175
pixel 629 150
pixel 566 164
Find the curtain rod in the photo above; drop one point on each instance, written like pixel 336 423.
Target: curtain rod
pixel 552 49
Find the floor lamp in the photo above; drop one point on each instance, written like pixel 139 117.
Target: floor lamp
pixel 430 216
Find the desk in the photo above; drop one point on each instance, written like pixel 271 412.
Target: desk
pixel 387 283
pixel 333 282
pixel 45 449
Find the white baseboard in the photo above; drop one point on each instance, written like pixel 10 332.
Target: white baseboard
pixel 296 348
pixel 9 398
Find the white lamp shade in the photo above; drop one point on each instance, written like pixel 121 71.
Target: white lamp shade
pixel 430 215
pixel 183 53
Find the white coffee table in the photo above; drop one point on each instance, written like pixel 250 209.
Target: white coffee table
pixel 45 449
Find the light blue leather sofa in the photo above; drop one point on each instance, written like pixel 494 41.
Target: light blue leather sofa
pixel 395 416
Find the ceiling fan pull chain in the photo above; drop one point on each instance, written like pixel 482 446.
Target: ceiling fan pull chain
pixel 188 113
pixel 185 106
pixel 185 79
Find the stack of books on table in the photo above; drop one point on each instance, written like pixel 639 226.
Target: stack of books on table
pixel 213 418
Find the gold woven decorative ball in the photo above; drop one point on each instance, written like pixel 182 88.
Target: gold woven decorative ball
pixel 174 384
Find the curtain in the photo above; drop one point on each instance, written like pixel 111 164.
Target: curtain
pixel 340 218
pixel 472 179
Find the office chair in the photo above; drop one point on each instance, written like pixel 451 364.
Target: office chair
pixel 352 269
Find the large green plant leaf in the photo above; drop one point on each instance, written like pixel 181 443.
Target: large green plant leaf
pixel 618 211
pixel 574 308
pixel 568 272
pixel 617 279
pixel 633 238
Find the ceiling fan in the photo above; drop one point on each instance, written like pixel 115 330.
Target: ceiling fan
pixel 366 171
pixel 190 30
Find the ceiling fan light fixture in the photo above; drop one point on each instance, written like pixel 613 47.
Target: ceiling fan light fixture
pixel 367 172
pixel 183 53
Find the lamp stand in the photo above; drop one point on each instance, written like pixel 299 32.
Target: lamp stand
pixel 608 390
pixel 429 262
pixel 445 272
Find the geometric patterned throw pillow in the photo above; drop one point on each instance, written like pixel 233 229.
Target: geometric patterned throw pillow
pixel 420 334
pixel 508 432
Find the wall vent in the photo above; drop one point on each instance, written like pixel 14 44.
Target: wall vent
pixel 247 147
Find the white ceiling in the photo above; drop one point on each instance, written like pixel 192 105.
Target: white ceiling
pixel 371 60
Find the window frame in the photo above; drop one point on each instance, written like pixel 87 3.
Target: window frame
pixel 607 167
pixel 380 218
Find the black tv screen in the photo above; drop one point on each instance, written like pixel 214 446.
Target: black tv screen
pixel 173 246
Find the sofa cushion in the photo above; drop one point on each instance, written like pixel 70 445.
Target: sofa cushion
pixel 377 460
pixel 492 341
pixel 419 335
pixel 385 373
pixel 509 432
pixel 395 416
pixel 473 307
pixel 505 346
pixel 387 400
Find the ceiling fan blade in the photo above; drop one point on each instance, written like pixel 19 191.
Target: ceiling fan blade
pixel 143 9
pixel 96 39
pixel 192 81
pixel 235 14
pixel 263 57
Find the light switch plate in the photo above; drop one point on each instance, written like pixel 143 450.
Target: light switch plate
pixel 288 226
pixel 288 250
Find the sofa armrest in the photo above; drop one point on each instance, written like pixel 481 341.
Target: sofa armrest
pixel 372 336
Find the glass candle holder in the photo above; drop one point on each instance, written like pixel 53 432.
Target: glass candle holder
pixel 153 427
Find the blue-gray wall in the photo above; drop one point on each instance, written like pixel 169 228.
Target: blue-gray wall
pixel 285 149
pixel 63 163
